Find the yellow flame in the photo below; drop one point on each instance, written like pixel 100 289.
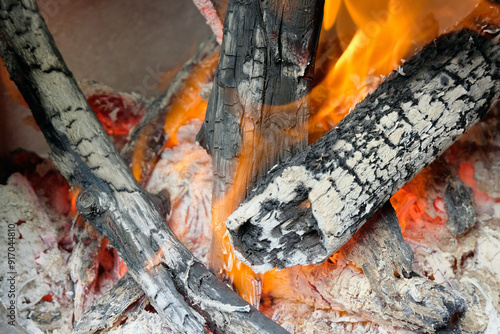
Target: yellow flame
pixel 386 32
pixel 186 105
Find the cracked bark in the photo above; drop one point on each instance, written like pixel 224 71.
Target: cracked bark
pixel 258 110
pixel 308 207
pixel 181 289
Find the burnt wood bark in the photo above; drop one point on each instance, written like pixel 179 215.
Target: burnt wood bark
pixel 258 110
pixel 180 288
pixel 308 207
pixel 260 87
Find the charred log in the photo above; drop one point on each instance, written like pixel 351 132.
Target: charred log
pixel 261 86
pixel 379 249
pixel 258 110
pixel 111 306
pixel 181 289
pixel 459 206
pixel 307 208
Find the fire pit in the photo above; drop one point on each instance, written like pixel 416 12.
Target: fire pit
pixel 355 261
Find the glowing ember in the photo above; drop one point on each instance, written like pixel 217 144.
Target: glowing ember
pixel 186 105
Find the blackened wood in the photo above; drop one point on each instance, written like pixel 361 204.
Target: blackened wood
pixel 258 110
pixel 459 206
pixel 307 208
pixel 110 307
pixel 379 249
pixel 180 288
pixel 148 137
pixel 260 87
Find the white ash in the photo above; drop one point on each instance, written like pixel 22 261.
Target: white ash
pixel 39 263
pixel 185 171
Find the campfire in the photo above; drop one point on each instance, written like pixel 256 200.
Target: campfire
pixel 315 167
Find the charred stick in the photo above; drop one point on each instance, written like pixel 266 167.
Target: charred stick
pixel 307 208
pixel 209 11
pixel 379 249
pixel 148 138
pixel 180 288
pixel 111 306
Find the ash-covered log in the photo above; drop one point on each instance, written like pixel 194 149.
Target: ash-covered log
pixel 308 207
pixel 180 288
pixel 380 250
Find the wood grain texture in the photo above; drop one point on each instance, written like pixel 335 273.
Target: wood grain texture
pixel 308 207
pixel 257 115
pixel 181 289
pixel 261 86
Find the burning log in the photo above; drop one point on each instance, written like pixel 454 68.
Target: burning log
pixel 111 306
pixel 258 110
pixel 379 249
pixel 180 288
pixel 307 208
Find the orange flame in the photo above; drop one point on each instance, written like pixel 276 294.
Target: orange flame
pixel 375 36
pixel 185 106
pixel 386 31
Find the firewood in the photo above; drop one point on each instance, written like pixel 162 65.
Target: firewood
pixel 308 207
pixel 258 109
pixel 459 207
pixel 386 259
pixel 261 85
pixel 111 306
pixel 379 249
pixel 180 288
pixel 208 9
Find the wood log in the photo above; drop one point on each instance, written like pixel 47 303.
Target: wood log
pixel 380 250
pixel 258 109
pixel 386 259
pixel 110 307
pixel 180 288
pixel 459 206
pixel 308 207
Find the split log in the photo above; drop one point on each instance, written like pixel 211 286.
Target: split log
pixel 180 288
pixel 258 110
pixel 307 208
